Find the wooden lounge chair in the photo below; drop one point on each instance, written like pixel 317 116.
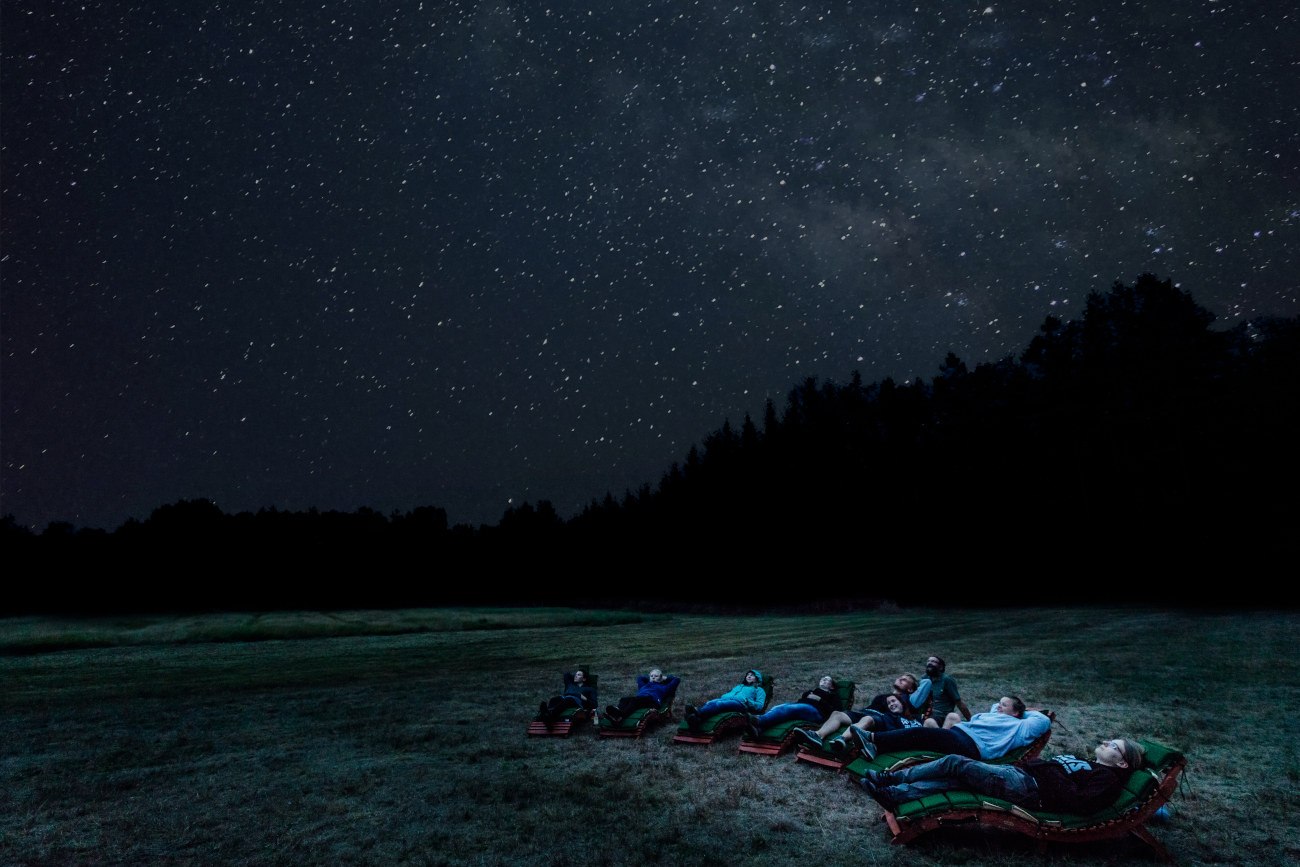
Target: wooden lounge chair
pixel 781 737
pixel 1149 788
pixel 720 723
pixel 569 719
pixel 896 761
pixel 635 724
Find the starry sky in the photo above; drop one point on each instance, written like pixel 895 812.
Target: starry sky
pixel 470 254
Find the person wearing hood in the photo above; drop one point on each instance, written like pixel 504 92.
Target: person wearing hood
pixel 748 696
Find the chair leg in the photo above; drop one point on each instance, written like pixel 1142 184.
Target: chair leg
pixel 1157 847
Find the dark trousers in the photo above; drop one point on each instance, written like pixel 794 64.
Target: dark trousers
pixel 947 741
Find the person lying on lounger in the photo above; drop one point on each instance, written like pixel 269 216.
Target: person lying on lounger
pixel 1063 784
pixel 748 696
pixel 651 691
pixel 877 715
pixel 577 693
pixel 813 706
pixel 1007 726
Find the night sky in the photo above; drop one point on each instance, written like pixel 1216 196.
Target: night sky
pixel 469 254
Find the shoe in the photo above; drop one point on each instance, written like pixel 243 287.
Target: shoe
pixel 879 779
pixel 693 721
pixel 754 731
pixel 690 711
pixel 541 711
pixel 809 737
pixel 612 714
pixel 880 794
pixel 883 796
pixel 840 748
pixel 866 743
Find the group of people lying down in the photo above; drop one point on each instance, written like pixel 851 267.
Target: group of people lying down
pixel 915 714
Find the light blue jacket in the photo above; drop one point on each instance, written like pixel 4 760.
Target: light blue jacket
pixel 997 734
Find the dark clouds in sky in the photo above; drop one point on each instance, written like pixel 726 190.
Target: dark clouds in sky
pixel 457 254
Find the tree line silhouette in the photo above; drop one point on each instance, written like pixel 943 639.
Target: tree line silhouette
pixel 1122 456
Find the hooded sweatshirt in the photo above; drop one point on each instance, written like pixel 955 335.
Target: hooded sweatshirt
pixel 754 697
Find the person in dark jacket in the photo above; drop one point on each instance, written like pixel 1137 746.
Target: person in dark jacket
pixel 651 691
pixel 814 706
pixel 577 693
pixel 877 715
pixel 1063 784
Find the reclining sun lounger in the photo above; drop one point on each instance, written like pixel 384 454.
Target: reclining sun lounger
pixel 1148 789
pixel 720 723
pixel 781 737
pixel 635 724
pixel 569 718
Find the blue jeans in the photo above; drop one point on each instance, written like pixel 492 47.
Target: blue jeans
pixel 721 705
pixel 786 712
pixel 958 772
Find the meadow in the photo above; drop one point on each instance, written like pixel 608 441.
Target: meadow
pixel 376 737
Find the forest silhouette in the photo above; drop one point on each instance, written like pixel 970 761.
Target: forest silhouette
pixel 1132 456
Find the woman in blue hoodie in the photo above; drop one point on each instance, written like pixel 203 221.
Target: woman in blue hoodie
pixel 748 696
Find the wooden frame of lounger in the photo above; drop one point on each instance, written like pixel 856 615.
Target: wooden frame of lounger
pixel 783 734
pixel 635 724
pixel 721 723
pixel 561 727
pixel 1149 788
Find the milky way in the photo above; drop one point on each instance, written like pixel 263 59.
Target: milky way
pixel 468 254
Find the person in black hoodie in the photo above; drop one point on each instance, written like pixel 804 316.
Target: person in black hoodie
pixel 813 706
pixel 577 693
pixel 1063 784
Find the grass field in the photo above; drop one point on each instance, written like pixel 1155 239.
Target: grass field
pixel 398 737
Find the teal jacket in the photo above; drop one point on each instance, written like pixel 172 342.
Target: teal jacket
pixel 754 696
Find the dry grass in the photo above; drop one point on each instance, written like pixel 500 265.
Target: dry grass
pixel 401 740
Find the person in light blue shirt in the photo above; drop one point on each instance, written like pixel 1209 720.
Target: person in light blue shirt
pixel 1006 727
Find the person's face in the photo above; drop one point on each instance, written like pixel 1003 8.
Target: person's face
pixel 656 674
pixel 1007 706
pixel 1110 753
pixel 825 682
pixel 933 665
pixel 894 704
pixel 904 684
pixel 749 678
pixel 579 677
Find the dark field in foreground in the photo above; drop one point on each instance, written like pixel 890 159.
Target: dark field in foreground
pixel 398 737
